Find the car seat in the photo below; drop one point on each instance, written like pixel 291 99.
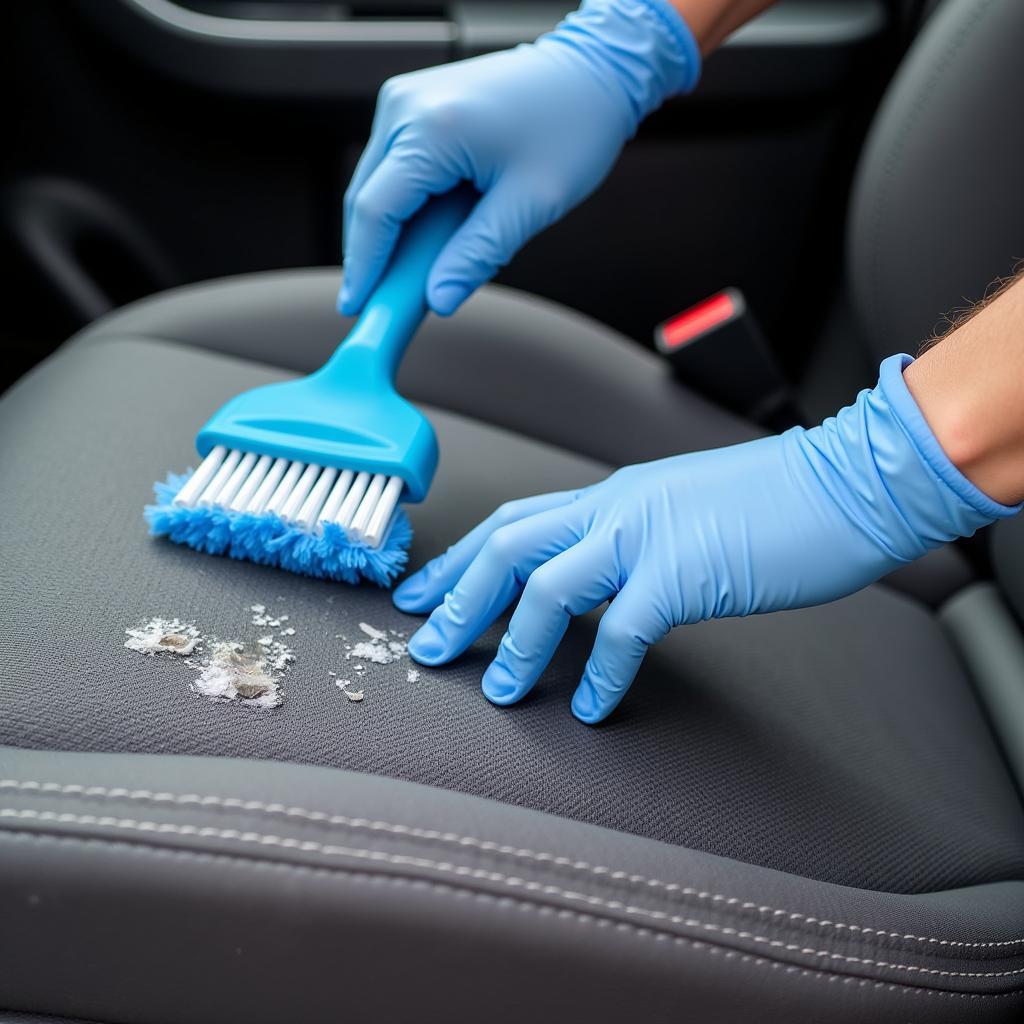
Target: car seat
pixel 813 815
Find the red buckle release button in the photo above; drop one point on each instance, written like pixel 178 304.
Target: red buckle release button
pixel 696 321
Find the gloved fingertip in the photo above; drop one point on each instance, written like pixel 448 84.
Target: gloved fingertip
pixel 587 705
pixel 444 299
pixel 408 595
pixel 499 686
pixel 427 645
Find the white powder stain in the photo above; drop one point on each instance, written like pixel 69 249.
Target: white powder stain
pixel 380 650
pixel 164 636
pixel 227 671
pixel 279 656
pixel 232 674
pixel 381 647
pixel 371 650
pixel 262 617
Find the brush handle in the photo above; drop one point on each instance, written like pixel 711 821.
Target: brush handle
pixel 398 305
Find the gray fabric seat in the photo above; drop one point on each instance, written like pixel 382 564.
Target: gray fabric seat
pixel 803 816
pixel 753 755
pixel 729 719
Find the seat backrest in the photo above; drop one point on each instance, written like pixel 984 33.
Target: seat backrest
pixel 937 211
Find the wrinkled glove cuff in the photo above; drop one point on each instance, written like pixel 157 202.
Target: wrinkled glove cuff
pixel 905 410
pixel 646 45
pixel 886 472
pixel 686 43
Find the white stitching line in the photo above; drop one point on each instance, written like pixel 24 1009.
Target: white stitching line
pixel 543 910
pixel 511 881
pixel 322 817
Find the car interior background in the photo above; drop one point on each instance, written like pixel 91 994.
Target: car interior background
pixel 771 827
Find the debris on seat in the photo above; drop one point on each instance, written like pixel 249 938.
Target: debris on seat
pixel 353 695
pixel 227 670
pixel 261 617
pixel 164 636
pixel 233 674
pixel 382 648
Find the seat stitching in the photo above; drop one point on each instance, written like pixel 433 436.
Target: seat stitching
pixel 485 845
pixel 460 870
pixel 540 909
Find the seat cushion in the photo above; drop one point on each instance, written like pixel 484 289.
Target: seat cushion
pixel 840 743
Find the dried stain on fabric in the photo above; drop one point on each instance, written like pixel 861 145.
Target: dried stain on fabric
pixel 231 671
pixel 234 674
pixel 164 636
pixel 227 671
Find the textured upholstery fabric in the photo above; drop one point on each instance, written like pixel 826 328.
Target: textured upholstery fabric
pixel 840 743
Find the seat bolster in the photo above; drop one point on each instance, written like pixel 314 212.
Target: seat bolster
pixel 231 889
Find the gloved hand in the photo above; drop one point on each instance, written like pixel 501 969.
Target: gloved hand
pixel 782 522
pixel 535 129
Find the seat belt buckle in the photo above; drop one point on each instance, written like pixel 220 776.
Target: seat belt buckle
pixel 717 348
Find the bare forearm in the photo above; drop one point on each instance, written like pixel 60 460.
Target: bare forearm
pixel 711 21
pixel 970 388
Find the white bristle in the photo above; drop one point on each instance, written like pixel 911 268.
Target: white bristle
pixel 284 488
pixel 310 511
pixel 252 483
pixel 355 494
pixel 201 477
pixel 216 485
pixel 236 480
pixel 337 496
pixel 258 502
pixel 304 494
pixel 377 527
pixel 291 507
pixel 369 502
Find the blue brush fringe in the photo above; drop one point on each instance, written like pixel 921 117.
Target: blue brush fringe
pixel 267 540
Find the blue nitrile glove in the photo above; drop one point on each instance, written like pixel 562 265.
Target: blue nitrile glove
pixel 782 522
pixel 535 129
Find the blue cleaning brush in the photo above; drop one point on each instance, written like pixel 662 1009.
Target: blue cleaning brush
pixel 307 475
